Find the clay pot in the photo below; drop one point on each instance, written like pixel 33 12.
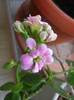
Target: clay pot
pixel 56 16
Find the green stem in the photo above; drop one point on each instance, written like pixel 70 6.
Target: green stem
pixel 17 74
pixel 46 74
pixel 60 73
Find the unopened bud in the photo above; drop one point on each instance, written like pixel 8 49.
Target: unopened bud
pixel 43 35
pixel 52 36
pixel 18 26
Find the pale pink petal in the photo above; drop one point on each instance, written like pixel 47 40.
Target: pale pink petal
pixel 31 43
pixel 43 58
pixel 26 59
pixel 48 52
pixel 27 66
pixel 54 37
pixel 43 23
pixel 34 53
pixel 49 60
pixel 42 48
pixel 36 68
pixel 34 19
pixel 40 64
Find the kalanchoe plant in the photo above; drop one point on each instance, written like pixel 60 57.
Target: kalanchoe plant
pixel 36 56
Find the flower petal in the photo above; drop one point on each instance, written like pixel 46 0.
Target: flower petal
pixel 34 19
pixel 34 53
pixel 48 52
pixel 27 66
pixel 31 43
pixel 36 68
pixel 42 48
pixel 26 59
pixel 49 60
pixel 40 64
pixel 43 23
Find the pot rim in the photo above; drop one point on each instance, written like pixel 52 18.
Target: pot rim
pixel 64 24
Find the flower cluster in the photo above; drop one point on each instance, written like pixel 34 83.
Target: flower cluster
pixel 37 33
pixel 37 27
pixel 37 56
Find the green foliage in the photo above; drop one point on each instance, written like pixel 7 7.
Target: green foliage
pixel 69 62
pixel 33 79
pixel 26 27
pixel 35 91
pixel 7 86
pixel 27 50
pixel 17 73
pixel 71 99
pixel 50 72
pixel 9 64
pixel 22 74
pixel 17 87
pixel 70 77
pixel 58 89
pixel 12 96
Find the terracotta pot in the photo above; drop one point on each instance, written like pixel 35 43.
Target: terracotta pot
pixel 56 16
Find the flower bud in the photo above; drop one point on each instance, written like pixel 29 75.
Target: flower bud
pixel 48 28
pixel 18 26
pixel 43 35
pixel 52 36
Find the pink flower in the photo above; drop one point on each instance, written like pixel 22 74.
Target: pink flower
pixel 37 57
pixel 34 19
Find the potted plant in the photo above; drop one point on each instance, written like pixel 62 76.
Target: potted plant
pixel 29 81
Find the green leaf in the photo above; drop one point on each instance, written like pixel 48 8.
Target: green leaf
pixel 7 86
pixel 70 79
pixel 33 79
pixel 69 62
pixel 17 87
pixel 58 89
pixel 71 98
pixel 22 74
pixel 57 79
pixel 27 51
pixel 12 96
pixel 50 72
pixel 35 91
pixel 9 64
pixel 27 87
pixel 45 72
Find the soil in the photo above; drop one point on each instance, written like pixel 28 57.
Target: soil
pixel 66 5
